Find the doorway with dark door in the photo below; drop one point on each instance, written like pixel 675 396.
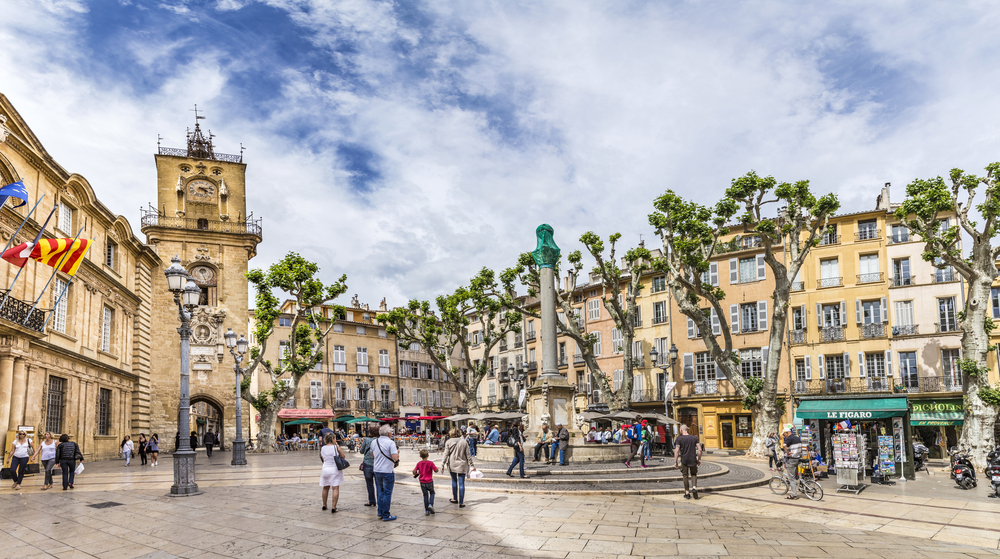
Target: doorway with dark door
pixel 727 432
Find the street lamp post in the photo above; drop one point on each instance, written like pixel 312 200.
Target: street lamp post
pixel 517 375
pixel 186 297
pixel 238 349
pixel 671 359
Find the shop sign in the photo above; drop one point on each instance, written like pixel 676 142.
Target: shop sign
pixel 954 405
pixel 849 415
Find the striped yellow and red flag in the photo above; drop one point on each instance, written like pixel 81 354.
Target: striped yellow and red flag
pixel 50 252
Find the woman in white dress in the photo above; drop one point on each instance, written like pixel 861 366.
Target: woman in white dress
pixel 331 476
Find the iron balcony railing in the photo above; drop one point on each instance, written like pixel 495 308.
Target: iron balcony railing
pixel 875 277
pixel 578 359
pixel 942 327
pixel 563 361
pixel 913 383
pixel 945 276
pixel 315 404
pixel 798 336
pixel 16 311
pixel 905 330
pixel 530 335
pixel 829 239
pixel 829 282
pixel 364 405
pixel 532 365
pixel 153 218
pixel 503 346
pixel 184 152
pixel 832 333
pixel 706 387
pixel 798 286
pixel 659 319
pixel 873 330
pixel 899 238
pixel 385 405
pixel 802 387
pixel 341 404
pixel 867 234
pixel 647 395
pixel 900 281
pixel 492 400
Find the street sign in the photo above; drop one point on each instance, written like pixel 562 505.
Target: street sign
pixel 667 389
pixel 520 399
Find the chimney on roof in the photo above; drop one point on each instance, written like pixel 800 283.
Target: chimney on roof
pixel 354 302
pixel 382 306
pixel 882 202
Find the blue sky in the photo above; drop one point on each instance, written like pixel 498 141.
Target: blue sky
pixel 408 144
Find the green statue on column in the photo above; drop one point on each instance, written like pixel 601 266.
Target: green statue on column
pixel 546 254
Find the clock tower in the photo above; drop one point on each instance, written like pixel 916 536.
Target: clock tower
pixel 201 217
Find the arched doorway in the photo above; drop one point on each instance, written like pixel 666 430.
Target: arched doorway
pixel 206 415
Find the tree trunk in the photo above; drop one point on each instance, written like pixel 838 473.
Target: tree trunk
pixel 766 419
pixel 977 438
pixel 265 434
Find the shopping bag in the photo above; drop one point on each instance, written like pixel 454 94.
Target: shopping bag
pixel 79 469
pixel 475 474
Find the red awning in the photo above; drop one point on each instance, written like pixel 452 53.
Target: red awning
pixel 391 418
pixel 305 414
pixel 431 417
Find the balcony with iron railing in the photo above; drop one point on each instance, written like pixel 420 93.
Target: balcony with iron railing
pixel 532 365
pixel 563 361
pixel 945 276
pixel 151 217
pixel 518 343
pixel 844 386
pixel 659 319
pixel 873 330
pixel 895 239
pixel 386 406
pixel 798 336
pixel 341 404
pixel 798 286
pixel 706 387
pixel 364 405
pixel 578 359
pixel 829 282
pixel 647 395
pixel 832 333
pixel 914 384
pixel 17 312
pixel 868 234
pixel 503 345
pixel 905 330
pixel 875 277
pixel 829 239
pixel 945 327
pixel 902 281
pixel 492 400
pixel 530 336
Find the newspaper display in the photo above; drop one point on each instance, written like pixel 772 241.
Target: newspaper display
pixel 849 457
pixel 886 455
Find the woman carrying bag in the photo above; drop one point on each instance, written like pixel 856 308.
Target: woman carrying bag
pixel 67 453
pixel 47 448
pixel 458 460
pixel 20 453
pixel 334 464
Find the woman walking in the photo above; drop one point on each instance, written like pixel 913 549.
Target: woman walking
pixel 458 460
pixel 142 448
pixel 127 448
pixel 153 448
pixel 47 448
pixel 20 451
pixel 770 443
pixel 331 476
pixel 68 452
pixel 368 464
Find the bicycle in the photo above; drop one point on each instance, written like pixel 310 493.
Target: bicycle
pixel 780 485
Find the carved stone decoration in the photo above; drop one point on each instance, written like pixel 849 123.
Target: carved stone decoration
pixel 204 256
pixel 206 324
pixel 180 184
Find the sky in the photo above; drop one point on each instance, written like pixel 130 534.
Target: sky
pixel 409 144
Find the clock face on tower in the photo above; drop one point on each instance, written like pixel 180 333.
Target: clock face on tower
pixel 200 190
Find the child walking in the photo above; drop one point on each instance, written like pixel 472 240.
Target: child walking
pixel 425 470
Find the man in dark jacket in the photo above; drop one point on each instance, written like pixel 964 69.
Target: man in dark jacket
pixel 209 442
pixel 563 437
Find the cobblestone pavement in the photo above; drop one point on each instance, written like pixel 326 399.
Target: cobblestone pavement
pixel 271 508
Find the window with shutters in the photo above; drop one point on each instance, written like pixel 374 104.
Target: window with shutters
pixel 362 330
pixel 383 362
pixel 800 370
pixel 995 297
pixel 597 344
pixel 868 270
pixel 339 359
pixel 107 328
pixel 659 284
pixel 531 330
pixel 619 377
pixel 748 317
pixel 748 270
pixel 110 253
pixel 639 388
pixel 659 312
pixel 947 320
pixel 362 359
pixel 871 312
pixel 104 413
pixel 751 363
pixel 834 367
pixel 59 314
pixel 798 319
pixel 339 328
pixel 875 365
pixel 829 273
pixel 316 392
pixel 54 409
pixel 617 341
pixel 704 366
pixel 637 318
pixel 867 230
pixel 831 316
pixel 594 309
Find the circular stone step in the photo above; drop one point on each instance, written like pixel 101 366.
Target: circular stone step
pixel 708 471
pixel 538 469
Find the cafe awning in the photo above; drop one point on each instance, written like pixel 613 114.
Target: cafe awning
pixel 305 414
pixel 852 408
pixel 943 412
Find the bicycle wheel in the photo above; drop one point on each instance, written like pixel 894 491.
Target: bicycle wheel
pixel 778 485
pixel 812 490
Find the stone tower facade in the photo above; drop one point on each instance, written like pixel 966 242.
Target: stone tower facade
pixel 201 217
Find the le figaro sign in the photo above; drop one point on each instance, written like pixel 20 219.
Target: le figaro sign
pixel 848 415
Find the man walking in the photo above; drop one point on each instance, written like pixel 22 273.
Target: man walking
pixel 687 456
pixel 792 446
pixel 516 440
pixel 472 437
pixel 562 435
pixel 385 457
pixel 209 442
pixel 635 433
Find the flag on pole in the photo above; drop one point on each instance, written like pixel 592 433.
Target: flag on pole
pixel 15 189
pixel 49 252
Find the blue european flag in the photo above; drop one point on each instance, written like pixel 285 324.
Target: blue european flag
pixel 16 190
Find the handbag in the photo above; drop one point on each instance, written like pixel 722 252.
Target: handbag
pixel 341 462
pixel 394 462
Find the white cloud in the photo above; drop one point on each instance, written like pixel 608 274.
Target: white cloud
pixel 502 116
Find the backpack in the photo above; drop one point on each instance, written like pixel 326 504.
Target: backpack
pixel 511 440
pixel 632 435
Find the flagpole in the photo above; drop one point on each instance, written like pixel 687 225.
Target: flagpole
pixel 55 269
pixel 12 237
pixel 65 288
pixel 40 231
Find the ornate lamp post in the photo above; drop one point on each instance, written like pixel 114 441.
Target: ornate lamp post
pixel 518 376
pixel 671 359
pixel 186 297
pixel 238 349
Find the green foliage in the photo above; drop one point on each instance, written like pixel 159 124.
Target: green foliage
pixel 990 396
pixel 754 387
pixel 972 368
